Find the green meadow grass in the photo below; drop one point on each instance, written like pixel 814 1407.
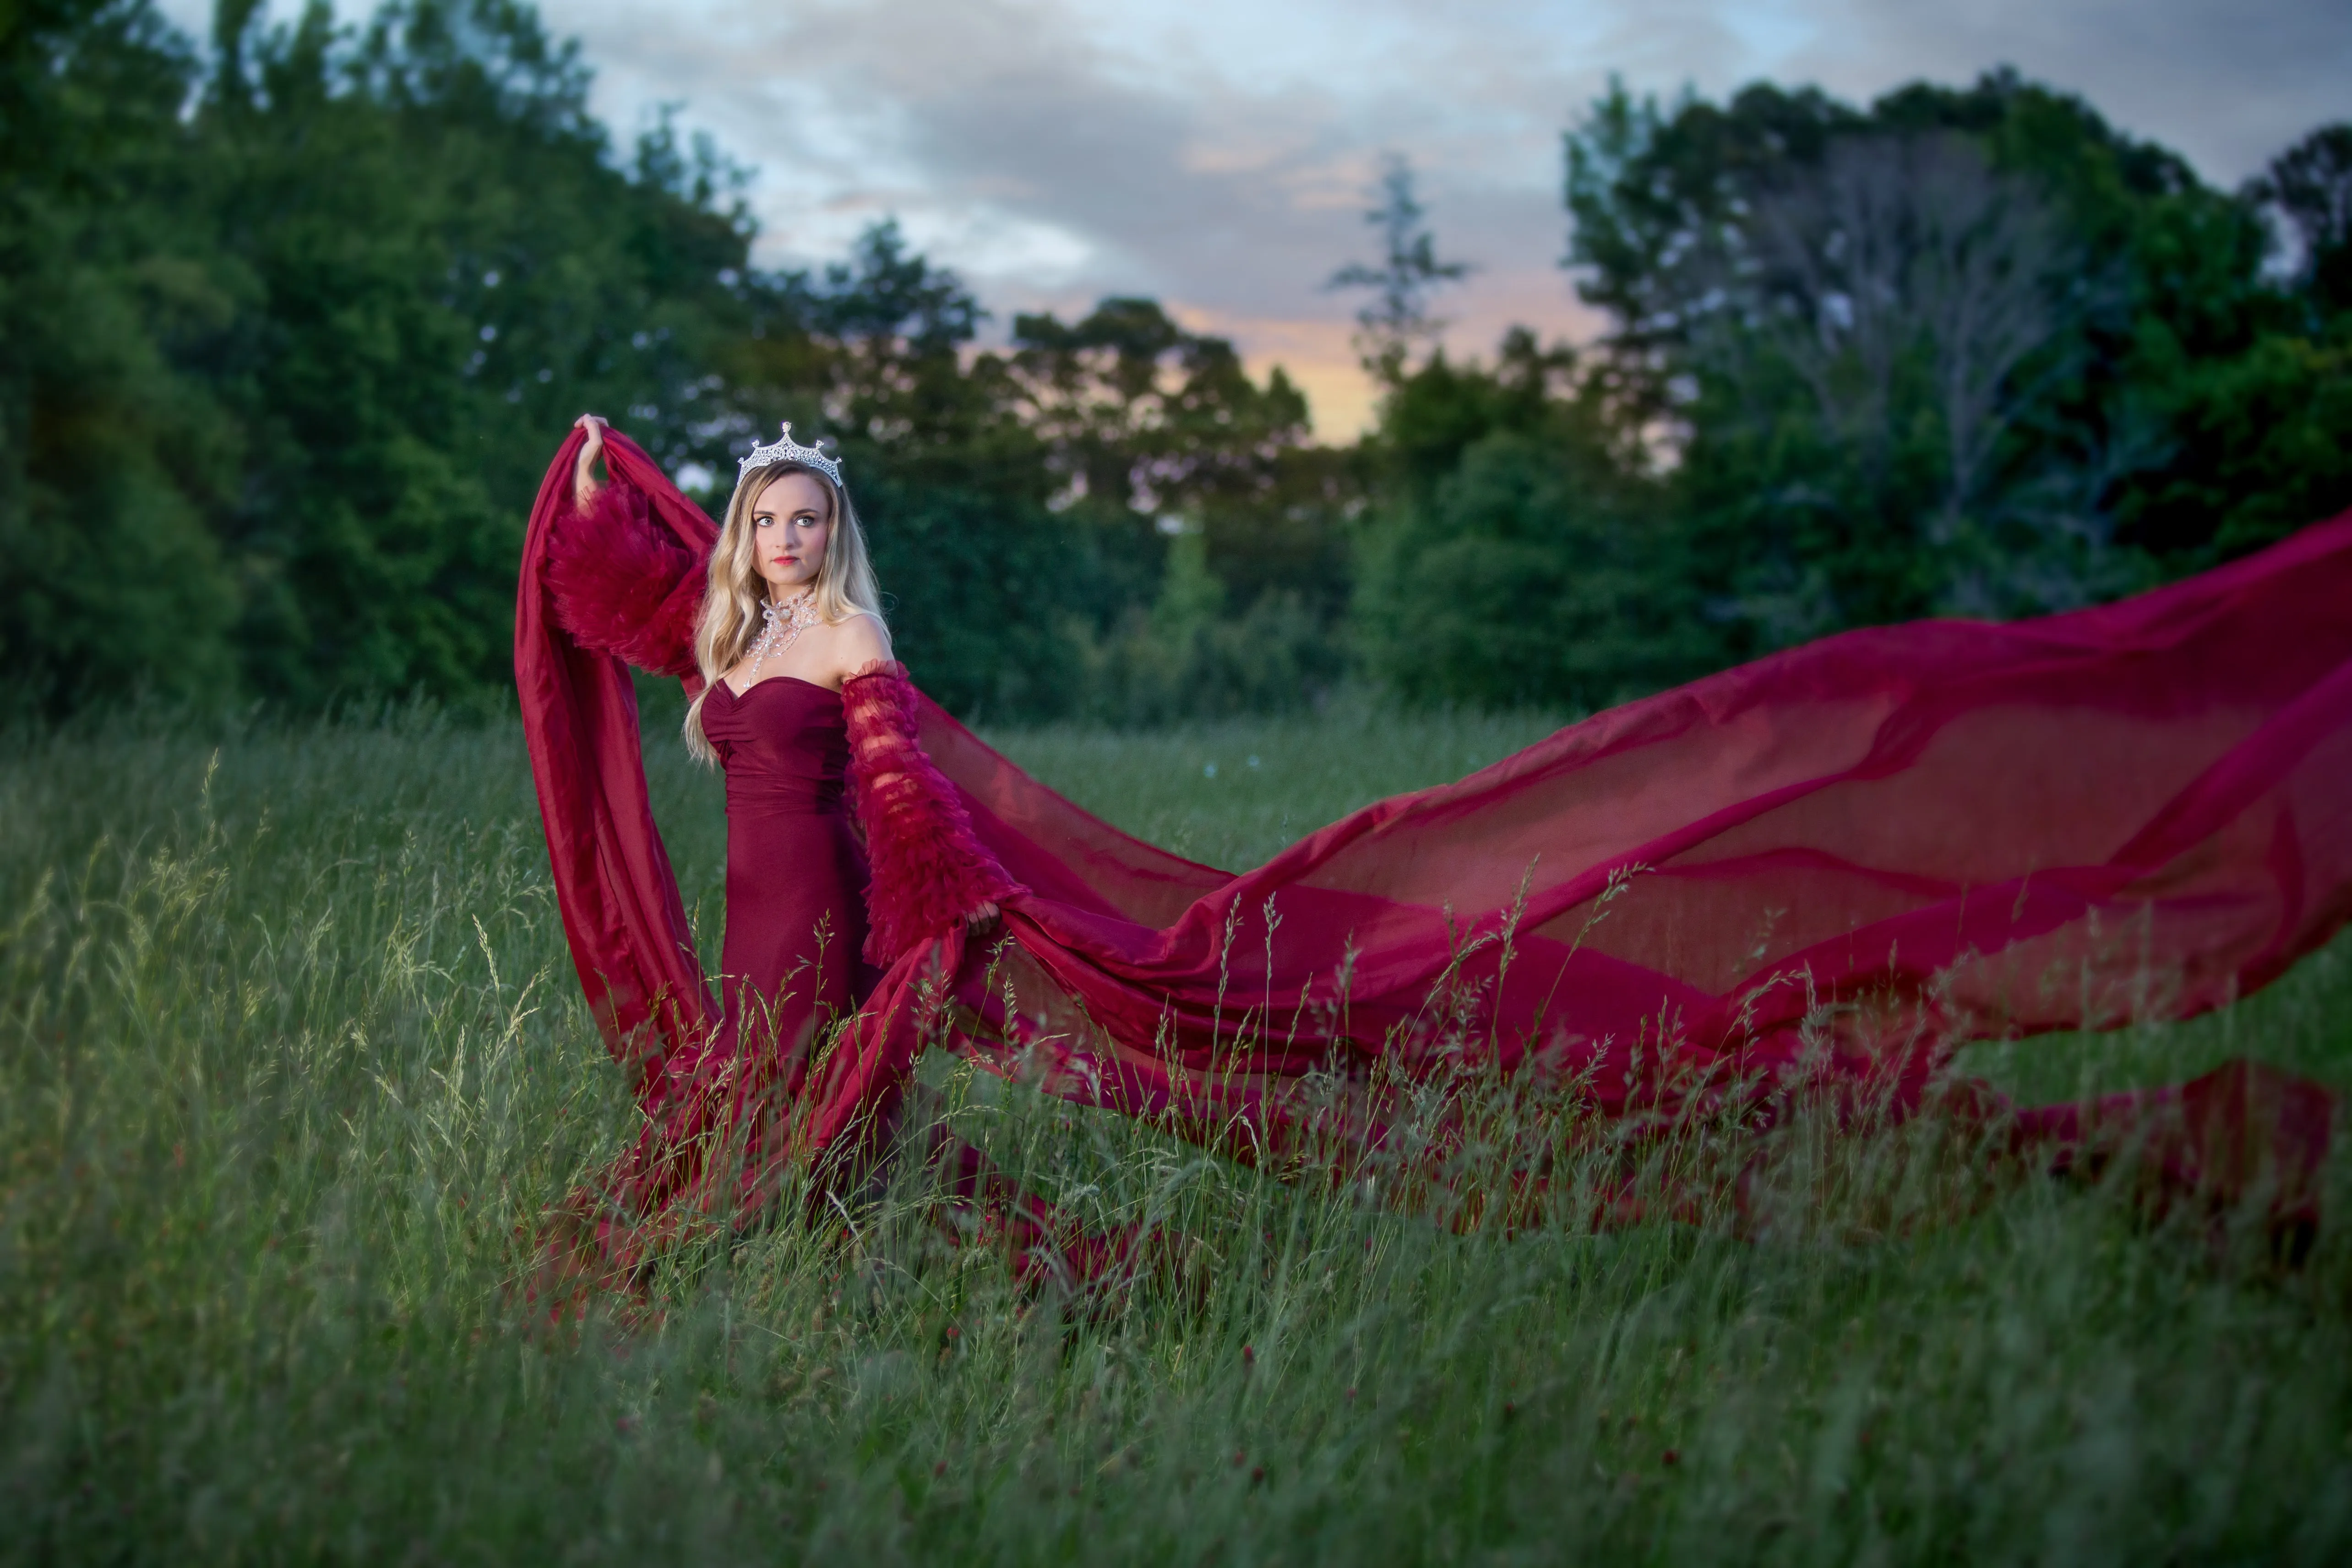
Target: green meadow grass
pixel 289 1048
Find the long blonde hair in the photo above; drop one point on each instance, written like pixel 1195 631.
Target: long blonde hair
pixel 731 602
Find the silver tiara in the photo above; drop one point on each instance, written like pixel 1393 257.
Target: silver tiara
pixel 790 451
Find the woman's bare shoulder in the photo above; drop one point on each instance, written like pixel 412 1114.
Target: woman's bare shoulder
pixel 860 641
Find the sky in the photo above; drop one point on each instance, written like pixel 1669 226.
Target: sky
pixel 1218 154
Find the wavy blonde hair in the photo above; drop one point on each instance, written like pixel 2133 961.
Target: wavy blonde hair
pixel 731 602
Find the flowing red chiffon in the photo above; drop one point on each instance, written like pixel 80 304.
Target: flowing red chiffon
pixel 1847 858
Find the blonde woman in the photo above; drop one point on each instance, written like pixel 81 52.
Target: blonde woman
pixel 780 619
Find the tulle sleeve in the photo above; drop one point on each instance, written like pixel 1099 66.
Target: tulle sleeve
pixel 622 585
pixel 931 870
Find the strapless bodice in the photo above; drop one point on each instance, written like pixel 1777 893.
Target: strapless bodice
pixel 783 743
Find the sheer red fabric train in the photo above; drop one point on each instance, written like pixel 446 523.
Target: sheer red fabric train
pixel 1906 836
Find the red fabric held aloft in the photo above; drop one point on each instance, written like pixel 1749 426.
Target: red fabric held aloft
pixel 1862 851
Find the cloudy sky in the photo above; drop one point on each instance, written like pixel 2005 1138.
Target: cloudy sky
pixel 1217 153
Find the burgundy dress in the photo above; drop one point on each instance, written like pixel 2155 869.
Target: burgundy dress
pixel 791 968
pixel 1827 867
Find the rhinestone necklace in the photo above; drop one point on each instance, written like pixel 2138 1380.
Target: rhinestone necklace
pixel 781 625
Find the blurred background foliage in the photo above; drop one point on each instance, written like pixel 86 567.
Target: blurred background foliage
pixel 292 317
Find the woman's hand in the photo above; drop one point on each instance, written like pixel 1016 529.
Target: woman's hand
pixel 583 478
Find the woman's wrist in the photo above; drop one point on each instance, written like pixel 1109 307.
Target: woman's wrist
pixel 584 487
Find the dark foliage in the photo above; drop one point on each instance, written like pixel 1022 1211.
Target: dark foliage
pixel 292 319
pixel 292 324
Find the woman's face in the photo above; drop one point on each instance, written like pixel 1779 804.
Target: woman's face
pixel 792 523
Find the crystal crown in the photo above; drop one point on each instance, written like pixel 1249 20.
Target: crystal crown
pixel 790 451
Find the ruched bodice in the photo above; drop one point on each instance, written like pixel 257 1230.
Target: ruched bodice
pixel 784 744
pixel 796 873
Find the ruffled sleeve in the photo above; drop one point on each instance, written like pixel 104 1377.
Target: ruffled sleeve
pixel 622 585
pixel 931 870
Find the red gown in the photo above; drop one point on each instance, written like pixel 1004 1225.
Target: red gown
pixel 793 964
pixel 1844 860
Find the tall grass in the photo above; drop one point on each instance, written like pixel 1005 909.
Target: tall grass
pixel 289 1049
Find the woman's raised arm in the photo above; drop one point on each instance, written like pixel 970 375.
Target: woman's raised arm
pixel 622 584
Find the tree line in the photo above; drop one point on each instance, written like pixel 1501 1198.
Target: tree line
pixel 293 316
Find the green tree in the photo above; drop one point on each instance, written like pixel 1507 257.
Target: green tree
pixel 290 330
pixel 1199 487
pixel 2308 188
pixel 2260 421
pixel 1968 352
pixel 111 456
pixel 1148 428
pixel 449 266
pixel 1518 551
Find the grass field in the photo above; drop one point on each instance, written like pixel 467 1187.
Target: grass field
pixel 289 1048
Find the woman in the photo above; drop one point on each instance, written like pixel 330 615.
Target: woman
pixel 788 614
pixel 778 630
pixel 1839 862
